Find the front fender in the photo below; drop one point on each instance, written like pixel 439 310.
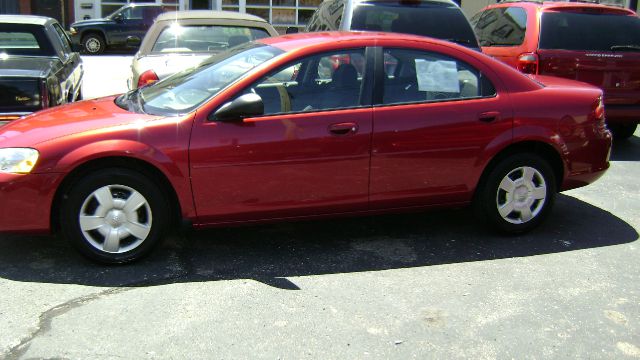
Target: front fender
pixel 177 177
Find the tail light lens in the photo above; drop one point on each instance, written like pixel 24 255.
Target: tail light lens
pixel 528 63
pixel 147 77
pixel 44 97
pixel 598 115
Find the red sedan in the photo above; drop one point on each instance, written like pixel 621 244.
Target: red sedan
pixel 272 130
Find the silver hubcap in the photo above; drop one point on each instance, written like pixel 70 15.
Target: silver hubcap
pixel 92 45
pixel 115 219
pixel 521 195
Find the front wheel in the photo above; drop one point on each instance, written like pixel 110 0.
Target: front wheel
pixel 93 44
pixel 114 215
pixel 517 194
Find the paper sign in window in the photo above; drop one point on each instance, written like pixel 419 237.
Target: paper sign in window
pixel 440 76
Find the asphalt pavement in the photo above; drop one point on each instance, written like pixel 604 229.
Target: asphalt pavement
pixel 425 285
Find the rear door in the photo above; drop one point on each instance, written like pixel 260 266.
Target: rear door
pixel 434 121
pixel 599 48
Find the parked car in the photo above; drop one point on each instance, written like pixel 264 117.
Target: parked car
pixel 39 67
pixel 593 43
pixel 228 142
pixel 130 21
pixel 183 39
pixel 441 19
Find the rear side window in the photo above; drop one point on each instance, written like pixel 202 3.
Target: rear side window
pixel 504 26
pixel 328 16
pixel 416 76
pixel 590 32
pixel 441 21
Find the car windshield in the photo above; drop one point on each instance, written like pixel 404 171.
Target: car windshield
pixel 441 21
pixel 184 91
pixel 204 38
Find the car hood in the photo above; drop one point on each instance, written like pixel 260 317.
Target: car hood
pixel 26 66
pixel 65 120
pixel 169 64
pixel 90 22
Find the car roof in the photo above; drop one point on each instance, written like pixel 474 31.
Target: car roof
pixel 558 5
pixel 207 14
pixel 408 2
pixel 25 19
pixel 143 4
pixel 310 39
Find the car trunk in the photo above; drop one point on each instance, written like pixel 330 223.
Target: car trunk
pixel 19 95
pixel 596 47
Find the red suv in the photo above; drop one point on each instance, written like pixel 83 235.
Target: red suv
pixel 592 43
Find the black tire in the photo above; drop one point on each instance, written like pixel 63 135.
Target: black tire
pixel 490 196
pixel 113 217
pixel 623 131
pixel 93 44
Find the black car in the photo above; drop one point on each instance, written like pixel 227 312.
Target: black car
pixel 39 66
pixel 441 19
pixel 130 21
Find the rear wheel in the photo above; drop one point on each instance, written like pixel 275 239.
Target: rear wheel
pixel 114 215
pixel 93 44
pixel 623 131
pixel 517 194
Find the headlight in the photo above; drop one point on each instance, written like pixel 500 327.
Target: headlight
pixel 73 31
pixel 18 160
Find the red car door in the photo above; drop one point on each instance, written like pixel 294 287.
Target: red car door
pixel 436 118
pixel 309 154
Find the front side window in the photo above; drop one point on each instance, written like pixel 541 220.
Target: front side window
pixel 130 13
pixel 417 76
pixel 321 82
pixel 184 91
pixel 504 26
pixel 204 38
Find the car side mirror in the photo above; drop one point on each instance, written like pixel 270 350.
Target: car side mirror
pixel 118 18
pixel 133 41
pixel 245 106
pixel 292 30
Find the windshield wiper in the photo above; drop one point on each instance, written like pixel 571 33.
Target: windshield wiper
pixel 626 47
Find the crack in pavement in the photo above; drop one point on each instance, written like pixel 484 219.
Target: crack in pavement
pixel 46 318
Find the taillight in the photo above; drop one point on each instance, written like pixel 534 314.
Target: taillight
pixel 599 110
pixel 598 115
pixel 528 63
pixel 44 95
pixel 146 78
